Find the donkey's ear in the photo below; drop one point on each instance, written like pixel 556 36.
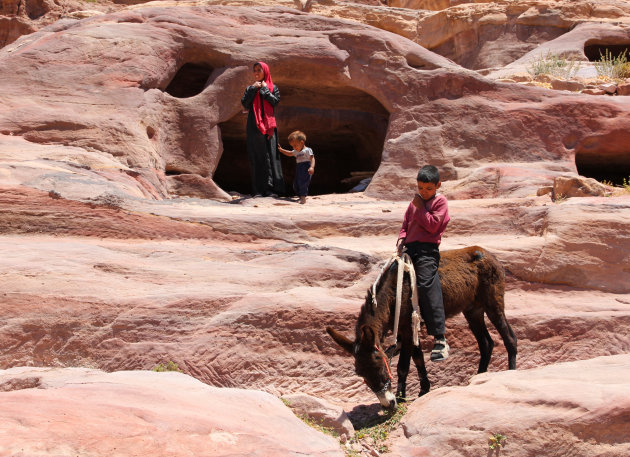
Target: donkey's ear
pixel 345 343
pixel 367 336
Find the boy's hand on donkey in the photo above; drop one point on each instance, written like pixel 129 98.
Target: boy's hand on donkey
pixel 400 245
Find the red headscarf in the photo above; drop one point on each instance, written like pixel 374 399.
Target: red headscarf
pixel 266 123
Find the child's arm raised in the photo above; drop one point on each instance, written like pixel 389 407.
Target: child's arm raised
pixel 285 151
pixel 431 219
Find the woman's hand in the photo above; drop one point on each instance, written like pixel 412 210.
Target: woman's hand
pixel 258 84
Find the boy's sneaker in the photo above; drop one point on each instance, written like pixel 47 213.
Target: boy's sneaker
pixel 440 350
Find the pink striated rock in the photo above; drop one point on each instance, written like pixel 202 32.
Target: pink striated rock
pixel 594 91
pixel 238 295
pixel 402 104
pixel 196 186
pixel 561 84
pixel 49 412
pixel 609 88
pixel 320 412
pixel 577 408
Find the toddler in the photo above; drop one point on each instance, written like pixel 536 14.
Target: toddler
pixel 305 163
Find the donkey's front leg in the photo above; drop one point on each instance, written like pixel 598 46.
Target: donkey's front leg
pixel 418 359
pixel 402 371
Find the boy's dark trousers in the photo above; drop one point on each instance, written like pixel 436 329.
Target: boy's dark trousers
pixel 426 259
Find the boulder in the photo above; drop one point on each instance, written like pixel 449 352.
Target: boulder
pixel 192 185
pixel 578 186
pixel 562 84
pixel 320 412
pixel 575 408
pixel 594 91
pixel 623 89
pixel 78 411
pixel 609 88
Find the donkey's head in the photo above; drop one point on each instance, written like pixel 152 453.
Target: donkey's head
pixel 370 362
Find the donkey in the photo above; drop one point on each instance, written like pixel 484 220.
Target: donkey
pixel 473 283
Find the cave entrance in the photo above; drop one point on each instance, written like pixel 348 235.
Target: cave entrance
pixel 594 52
pixel 610 168
pixel 190 80
pixel 345 127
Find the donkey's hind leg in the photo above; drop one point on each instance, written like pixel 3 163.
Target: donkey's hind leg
pixel 484 340
pixel 418 360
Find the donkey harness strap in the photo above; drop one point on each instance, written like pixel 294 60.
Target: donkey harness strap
pixel 404 264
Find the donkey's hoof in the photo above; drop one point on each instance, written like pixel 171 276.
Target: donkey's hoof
pixel 423 392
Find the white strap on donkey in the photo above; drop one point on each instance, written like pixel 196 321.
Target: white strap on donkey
pixel 404 264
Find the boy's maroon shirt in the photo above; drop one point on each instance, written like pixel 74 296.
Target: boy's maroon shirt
pixel 427 223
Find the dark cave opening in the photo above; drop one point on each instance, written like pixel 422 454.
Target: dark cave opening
pixel 595 51
pixel 190 80
pixel 613 169
pixel 345 128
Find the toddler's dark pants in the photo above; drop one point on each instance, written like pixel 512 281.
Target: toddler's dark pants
pixel 426 259
pixel 302 179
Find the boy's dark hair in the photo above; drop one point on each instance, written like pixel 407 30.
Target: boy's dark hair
pixel 297 135
pixel 429 173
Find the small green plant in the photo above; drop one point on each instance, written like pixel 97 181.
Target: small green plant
pixel 551 64
pixel 372 432
pixel 497 441
pixel 169 366
pixel 612 67
pixel 318 426
pixel 376 430
pixel 626 184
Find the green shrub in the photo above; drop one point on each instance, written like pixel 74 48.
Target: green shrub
pixel 551 64
pixel 612 67
pixel 624 70
pixel 377 430
pixel 170 366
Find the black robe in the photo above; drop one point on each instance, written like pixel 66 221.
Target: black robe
pixel 264 157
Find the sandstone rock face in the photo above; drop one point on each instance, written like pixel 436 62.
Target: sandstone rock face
pixel 105 119
pixel 484 34
pixel 582 406
pixel 389 105
pixel 21 17
pixel 81 411
pixel 239 295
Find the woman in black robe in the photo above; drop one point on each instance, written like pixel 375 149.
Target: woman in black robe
pixel 262 134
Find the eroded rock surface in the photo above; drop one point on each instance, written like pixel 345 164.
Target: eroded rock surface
pixel 102 267
pixel 582 407
pixel 372 100
pixel 83 411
